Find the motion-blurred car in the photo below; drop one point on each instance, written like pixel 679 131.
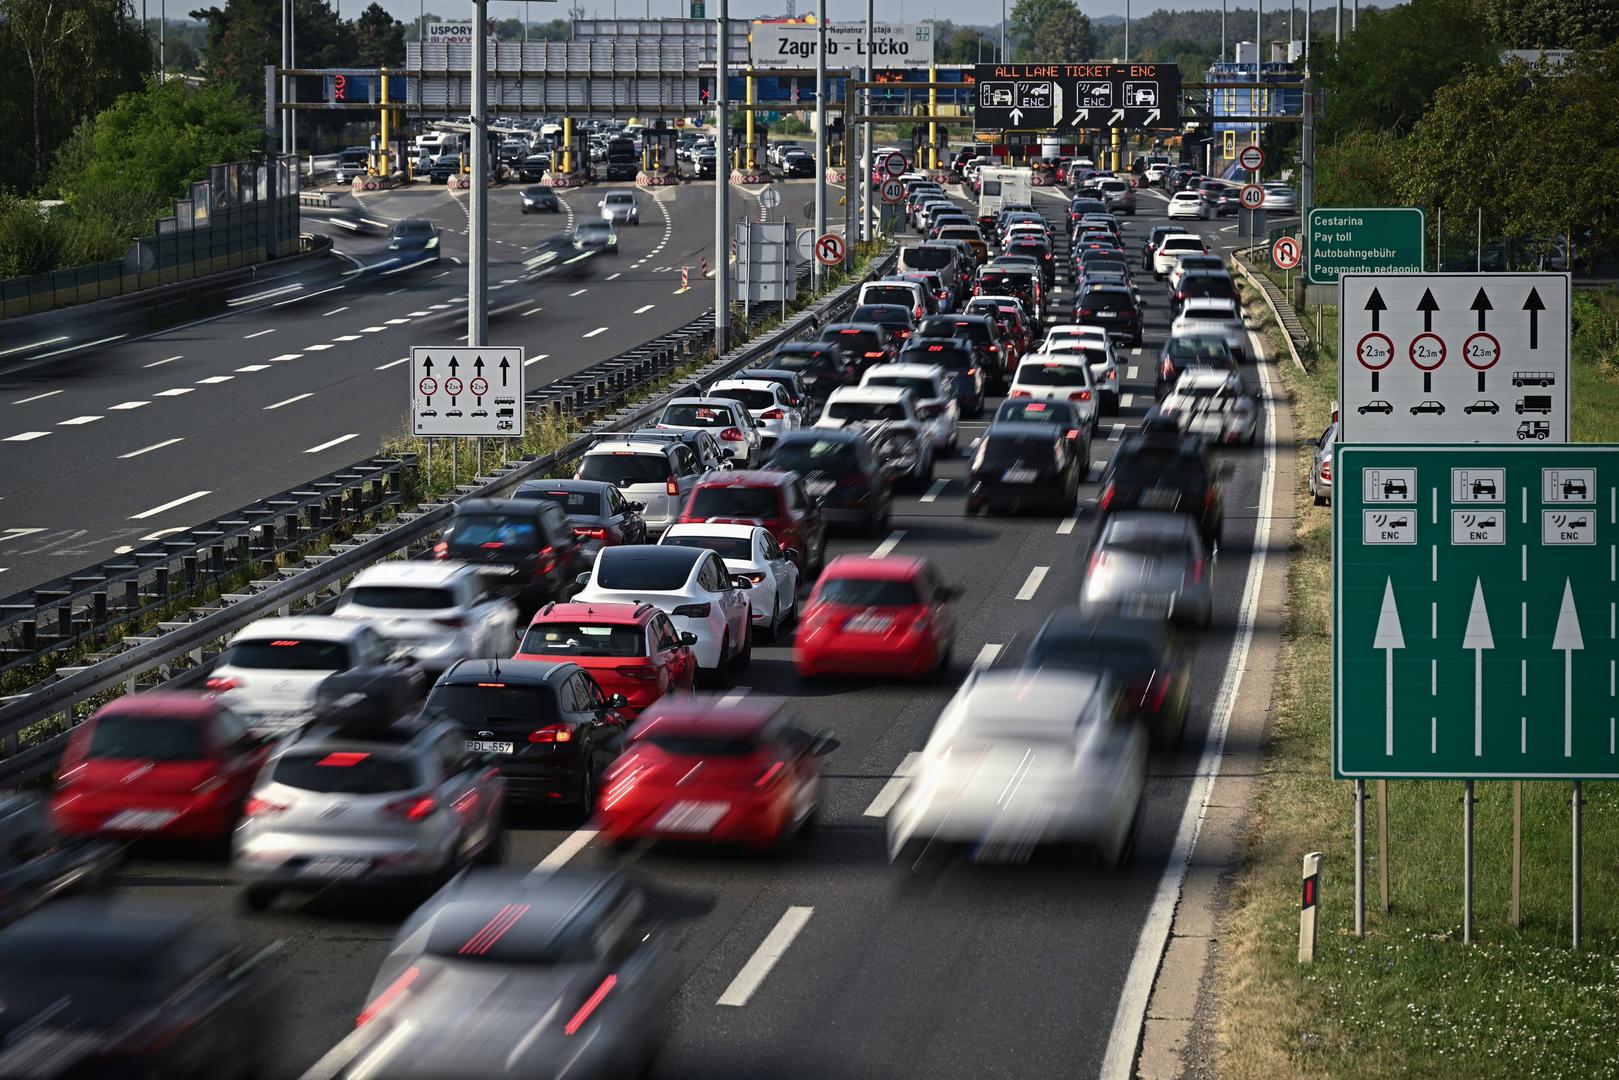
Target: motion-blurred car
pixel 271 671
pixel 1164 471
pixel 1213 315
pixel 597 510
pixel 539 198
pixel 1281 199
pixel 821 365
pixel 959 361
pixel 1020 759
pixel 595 236
pixel 541 975
pixel 1142 655
pixel 620 208
pixel 1063 415
pixel 1061 377
pixel 877 616
pixel 930 386
pixel 751 551
pixel 414 242
pixel 1213 405
pixel 628 649
pixel 729 770
pixel 557 256
pixel 1189 352
pixel 437 612
pixel 902 439
pixel 1025 465
pixel 862 344
pixel 38 863
pixel 1150 564
pixel 840 469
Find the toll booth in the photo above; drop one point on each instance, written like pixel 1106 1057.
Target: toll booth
pixel 922 148
pixel 570 163
pixel 745 151
pixel 658 161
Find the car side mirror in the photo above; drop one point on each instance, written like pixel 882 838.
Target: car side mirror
pixel 582 579
pixel 688 638
pixel 617 701
pixel 636 505
pixel 740 582
pixel 790 553
pixel 520 633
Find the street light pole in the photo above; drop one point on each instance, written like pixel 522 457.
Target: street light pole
pixel 478 197
pixel 1127 31
pixel 820 134
pixel 722 178
pixel 866 215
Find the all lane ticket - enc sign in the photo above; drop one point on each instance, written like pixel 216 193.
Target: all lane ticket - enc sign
pixel 1363 240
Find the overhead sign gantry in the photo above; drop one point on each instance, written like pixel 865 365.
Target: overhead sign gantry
pixel 1040 97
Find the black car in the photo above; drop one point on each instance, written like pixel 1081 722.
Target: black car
pixel 1110 306
pixel 538 197
pixel 798 165
pixel 1054 412
pixel 822 365
pixel 556 257
pixel 414 240
pixel 1190 351
pixel 841 469
pixel 1097 259
pixel 960 363
pixel 597 510
pixel 530 538
pixel 1201 284
pixel 1143 655
pixel 94 988
pixel 1079 207
pixel 989 345
pixel 863 343
pixel 896 321
pixel 1021 465
pixel 1161 469
pixel 534 167
pixel 1040 252
pixel 563 729
pixel 37 864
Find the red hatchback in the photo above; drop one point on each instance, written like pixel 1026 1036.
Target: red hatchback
pixel 727 770
pixel 158 764
pixel 877 616
pixel 629 649
pixel 775 500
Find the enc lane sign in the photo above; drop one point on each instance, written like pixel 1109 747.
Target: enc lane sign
pixel 1251 158
pixel 1035 97
pixel 1285 253
pixel 464 392
pixel 1363 241
pixel 829 249
pixel 1472 601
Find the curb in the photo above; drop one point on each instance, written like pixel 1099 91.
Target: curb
pixel 1292 330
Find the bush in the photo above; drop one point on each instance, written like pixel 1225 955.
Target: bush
pixel 29 242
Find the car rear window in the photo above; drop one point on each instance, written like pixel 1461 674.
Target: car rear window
pixel 925 258
pixel 866 410
pixel 948 357
pixel 625 467
pixel 696 416
pixel 1207 285
pixel 332 772
pixel 492 530
pixel 1029 374
pixel 922 388
pixel 1182 244
pixel 289 654
pixel 817 455
pixel 735 501
pixel 751 399
pixel 1035 412
pixel 401 597
pixel 614 571
pixel 701 745
pixel 584 639
pixel 1107 301
pixel 578 503
pixel 1156 464
pixel 889 294
pixel 727 547
pixel 146 738
pixel 1003 451
pixel 1140 538
pixel 856 341
pixel 869 592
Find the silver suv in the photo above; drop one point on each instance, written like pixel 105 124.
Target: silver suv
pixel 367 796
pixel 658 475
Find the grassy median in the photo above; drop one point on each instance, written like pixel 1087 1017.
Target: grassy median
pixel 1409 1000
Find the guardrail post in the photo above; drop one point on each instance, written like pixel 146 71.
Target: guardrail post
pixel 188 566
pixel 132 594
pixel 244 553
pixel 216 558
pixel 292 527
pixel 30 634
pixel 98 604
pixel 160 583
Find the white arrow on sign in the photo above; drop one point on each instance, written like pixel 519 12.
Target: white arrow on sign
pixel 1152 114
pixel 1388 638
pixel 1081 115
pixel 1477 637
pixel 1567 638
pixel 1016 115
pixel 1116 119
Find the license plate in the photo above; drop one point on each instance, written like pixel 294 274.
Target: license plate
pixel 1149 606
pixel 485 746
pixel 141 820
pixel 1160 500
pixel 1106 315
pixel 692 817
pixel 1019 476
pixel 336 866
pixel 868 624
pixel 819 487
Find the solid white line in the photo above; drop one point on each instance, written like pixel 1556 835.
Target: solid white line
pixel 165 360
pixel 35 345
pixel 334 311
pixel 38 397
pixel 26 436
pixel 1066 526
pixel 393 363
pixel 260 333
pixel 644 308
pixel 284 290
pixel 1031 585
pixel 77 421
pixel 889 795
pixel 306 296
pixel 535 359
pixel 1125 1036
pixel 255 367
pixel 149 449
pixel 76 348
pixel 887 546
pixel 936 490
pixel 764 958
pixel 289 401
pixel 156 510
pixel 593 333
pixel 176 392
pixel 573 844
pixel 127 405
pixel 334 442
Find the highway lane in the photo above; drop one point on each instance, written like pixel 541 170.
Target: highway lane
pixel 982 971
pixel 105 447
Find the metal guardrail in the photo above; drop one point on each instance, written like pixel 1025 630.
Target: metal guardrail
pixel 185 648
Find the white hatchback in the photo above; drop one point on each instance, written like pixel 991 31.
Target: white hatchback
pixel 1188 204
pixel 767 402
pixel 728 421
pixel 271 670
pixel 1060 376
pixel 929 384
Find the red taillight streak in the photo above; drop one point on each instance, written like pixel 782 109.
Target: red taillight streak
pixel 589 533
pixel 220 685
pixel 388 996
pixel 256 806
pixel 413 808
pixel 1196 573
pixel 1162 695
pixel 1208 499
pixel 493 930
pixel 595 999
pixel 769 775
pixel 492 544
pixel 342 759
pixel 1107 496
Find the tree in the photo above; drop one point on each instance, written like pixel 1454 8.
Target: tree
pixel 1065 37
pixel 1360 169
pixel 1024 23
pixel 245 35
pixel 379 38
pixel 1552 24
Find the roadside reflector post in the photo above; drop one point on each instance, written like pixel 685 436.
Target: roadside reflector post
pixel 1309 904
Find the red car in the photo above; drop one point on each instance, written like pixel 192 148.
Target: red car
pixel 158 764
pixel 727 770
pixel 629 649
pixel 775 500
pixel 877 616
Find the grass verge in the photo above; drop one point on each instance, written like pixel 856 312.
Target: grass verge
pixel 1409 1000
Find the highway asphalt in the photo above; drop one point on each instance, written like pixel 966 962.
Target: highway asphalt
pixel 104 445
pixel 978 972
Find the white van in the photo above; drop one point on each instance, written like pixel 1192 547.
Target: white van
pixel 1002 187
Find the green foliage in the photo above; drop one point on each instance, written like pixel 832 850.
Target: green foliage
pixel 1359 168
pixel 28 245
pixel 1050 30
pixel 245 35
pixel 1552 24
pixel 379 38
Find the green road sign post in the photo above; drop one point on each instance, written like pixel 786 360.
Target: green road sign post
pixel 1363 240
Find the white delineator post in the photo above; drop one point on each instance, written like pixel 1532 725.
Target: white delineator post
pixel 1309 904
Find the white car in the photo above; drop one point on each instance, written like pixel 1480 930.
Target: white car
pixel 1188 204
pixel 749 551
pixel 1104 365
pixel 1213 405
pixel 1212 315
pixel 1156 171
pixel 929 385
pixel 1024 758
pixel 889 414
pixel 691 586
pixel 1192 260
pixel 1173 247
pixel 767 402
pixel 1026 228
pixel 1279 198
pixel 620 207
pixel 437 612
pixel 658 474
pixel 727 420
pixel 1065 377
pixel 271 670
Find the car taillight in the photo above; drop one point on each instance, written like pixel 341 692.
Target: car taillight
pixel 1161 696
pixel 1073 433
pixel 1326 470
pixel 578 1019
pixel 772 414
pixel 551 733
pixel 1195 574
pixel 589 533
pixel 1107 496
pixel 1083 395
pixel 452 622
pixel 412 808
pixel 671 488
pixel 387 997
pixel 547 559
pixel 776 771
pixel 441 550
pixel 219 684
pixel 757 579
pixel 638 672
pixel 1166 369
pixel 692 611
pixel 1019 393
pixel 873 356
pixel 1113 373
pixel 731 434
pixel 257 807
pixel 1208 499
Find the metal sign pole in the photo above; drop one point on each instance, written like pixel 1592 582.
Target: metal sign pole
pixel 478 197
pixel 1467 862
pixel 1383 843
pixel 455 462
pixel 1517 853
pixel 1360 858
pixel 1577 803
pixel 821 162
pixel 722 178
pixel 850 191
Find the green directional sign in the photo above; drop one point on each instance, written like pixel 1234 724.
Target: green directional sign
pixel 1363 240
pixel 1474 612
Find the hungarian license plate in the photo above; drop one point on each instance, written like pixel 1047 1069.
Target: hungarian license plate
pixel 1019 476
pixel 336 866
pixel 141 820
pixel 1158 499
pixel 485 746
pixel 868 624
pixel 692 817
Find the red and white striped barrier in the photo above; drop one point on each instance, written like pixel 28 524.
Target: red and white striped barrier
pixel 685 278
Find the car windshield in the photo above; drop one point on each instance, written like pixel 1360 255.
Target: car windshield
pixel 696 416
pixel 727 547
pixel 751 399
pixel 493 531
pixel 869 592
pixel 146 738
pixel 1199 348
pixel 866 410
pixel 288 654
pixel 583 639
pixel 620 200
pixel 922 388
pixel 817 455
pixel 574 503
pixel 615 571
pixel 625 467
pixel 1030 374
pixel 592 228
pixel 403 597
pixel 735 501
pixel 345 772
